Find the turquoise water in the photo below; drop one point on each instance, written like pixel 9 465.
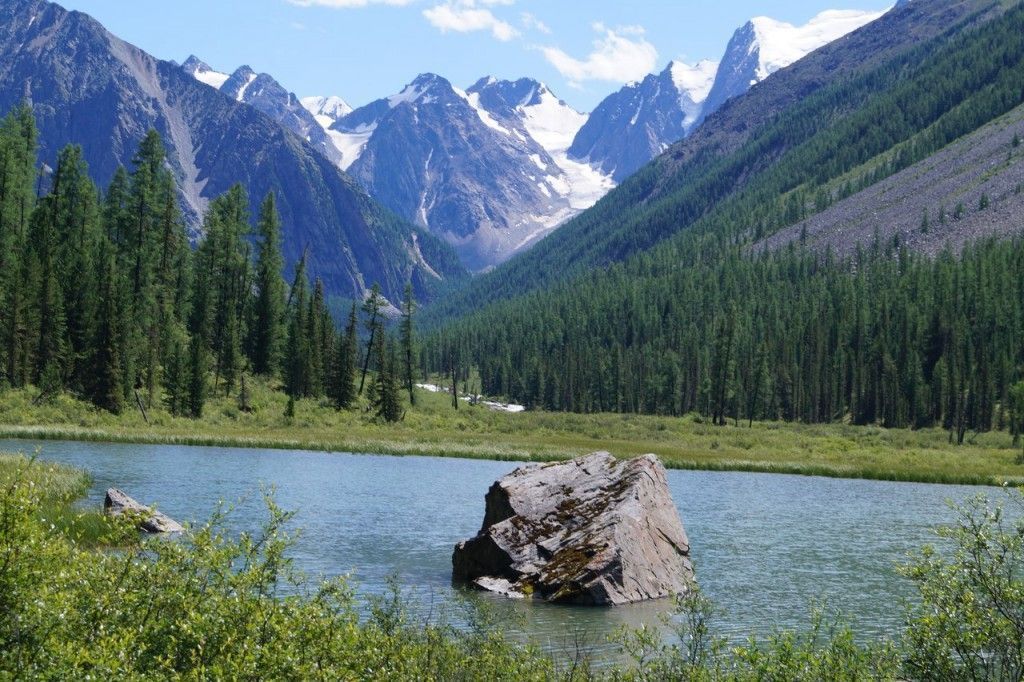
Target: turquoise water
pixel 764 546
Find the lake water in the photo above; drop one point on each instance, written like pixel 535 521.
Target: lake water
pixel 764 546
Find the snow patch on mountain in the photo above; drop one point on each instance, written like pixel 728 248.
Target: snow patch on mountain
pixel 410 93
pixel 241 92
pixel 553 124
pixel 350 144
pixel 694 84
pixel 473 99
pixel 780 44
pixel 326 110
pixel 214 79
pixel 694 80
pixel 204 73
pixel 550 121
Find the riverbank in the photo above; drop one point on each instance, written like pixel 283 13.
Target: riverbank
pixel 59 488
pixel 433 428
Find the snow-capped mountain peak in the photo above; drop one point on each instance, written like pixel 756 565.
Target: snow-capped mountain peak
pixel 763 46
pixel 204 73
pixel 695 81
pixel 779 44
pixel 262 92
pixel 501 94
pixel 638 122
pixel 331 108
pixel 426 86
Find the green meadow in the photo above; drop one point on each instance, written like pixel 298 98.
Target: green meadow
pixel 433 427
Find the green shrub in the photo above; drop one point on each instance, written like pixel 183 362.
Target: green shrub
pixel 970 622
pixel 211 607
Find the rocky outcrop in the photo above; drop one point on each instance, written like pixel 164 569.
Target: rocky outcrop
pixel 595 530
pixel 632 126
pixel 117 503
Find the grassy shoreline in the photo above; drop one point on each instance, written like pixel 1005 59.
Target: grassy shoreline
pixel 402 449
pixel 60 488
pixel 433 428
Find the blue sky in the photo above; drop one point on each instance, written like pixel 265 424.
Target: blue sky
pixel 365 49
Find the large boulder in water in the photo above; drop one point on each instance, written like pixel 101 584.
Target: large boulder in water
pixel 149 520
pixel 595 530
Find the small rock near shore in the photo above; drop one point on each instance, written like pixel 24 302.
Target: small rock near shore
pixel 594 530
pixel 118 503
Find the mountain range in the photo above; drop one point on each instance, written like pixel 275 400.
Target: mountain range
pixel 640 121
pixel 90 88
pixel 496 167
pixel 418 185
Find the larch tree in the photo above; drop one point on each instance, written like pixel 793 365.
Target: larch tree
pixel 268 319
pixel 408 343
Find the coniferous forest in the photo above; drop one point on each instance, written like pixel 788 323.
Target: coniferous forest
pixel 887 337
pixel 103 297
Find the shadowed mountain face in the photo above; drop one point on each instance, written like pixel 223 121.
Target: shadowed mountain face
pixel 262 92
pixel 90 88
pixel 635 124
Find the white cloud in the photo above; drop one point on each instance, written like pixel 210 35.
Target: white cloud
pixel 465 16
pixel 346 4
pixel 620 55
pixel 531 22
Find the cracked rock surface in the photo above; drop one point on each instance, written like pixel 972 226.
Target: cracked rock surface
pixel 594 530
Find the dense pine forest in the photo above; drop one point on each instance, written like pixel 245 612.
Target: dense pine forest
pixel 103 297
pixel 888 337
pixel 707 322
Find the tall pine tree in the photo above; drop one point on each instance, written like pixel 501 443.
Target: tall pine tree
pixel 408 342
pixel 268 318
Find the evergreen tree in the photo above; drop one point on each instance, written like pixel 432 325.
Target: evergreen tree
pixel 320 335
pixel 408 343
pixel 177 381
pixel 388 403
pixel 50 331
pixel 343 388
pixel 268 324
pixel 297 353
pixel 224 253
pixel 1016 399
pixel 18 138
pixel 197 378
pixel 107 387
pixel 372 307
pixel 71 214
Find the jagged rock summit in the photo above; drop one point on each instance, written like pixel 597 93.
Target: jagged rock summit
pixel 117 502
pixel 595 530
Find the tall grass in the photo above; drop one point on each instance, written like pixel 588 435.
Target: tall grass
pixel 433 428
pixel 58 489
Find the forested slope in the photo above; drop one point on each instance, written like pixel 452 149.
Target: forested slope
pixel 702 322
pixel 804 125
